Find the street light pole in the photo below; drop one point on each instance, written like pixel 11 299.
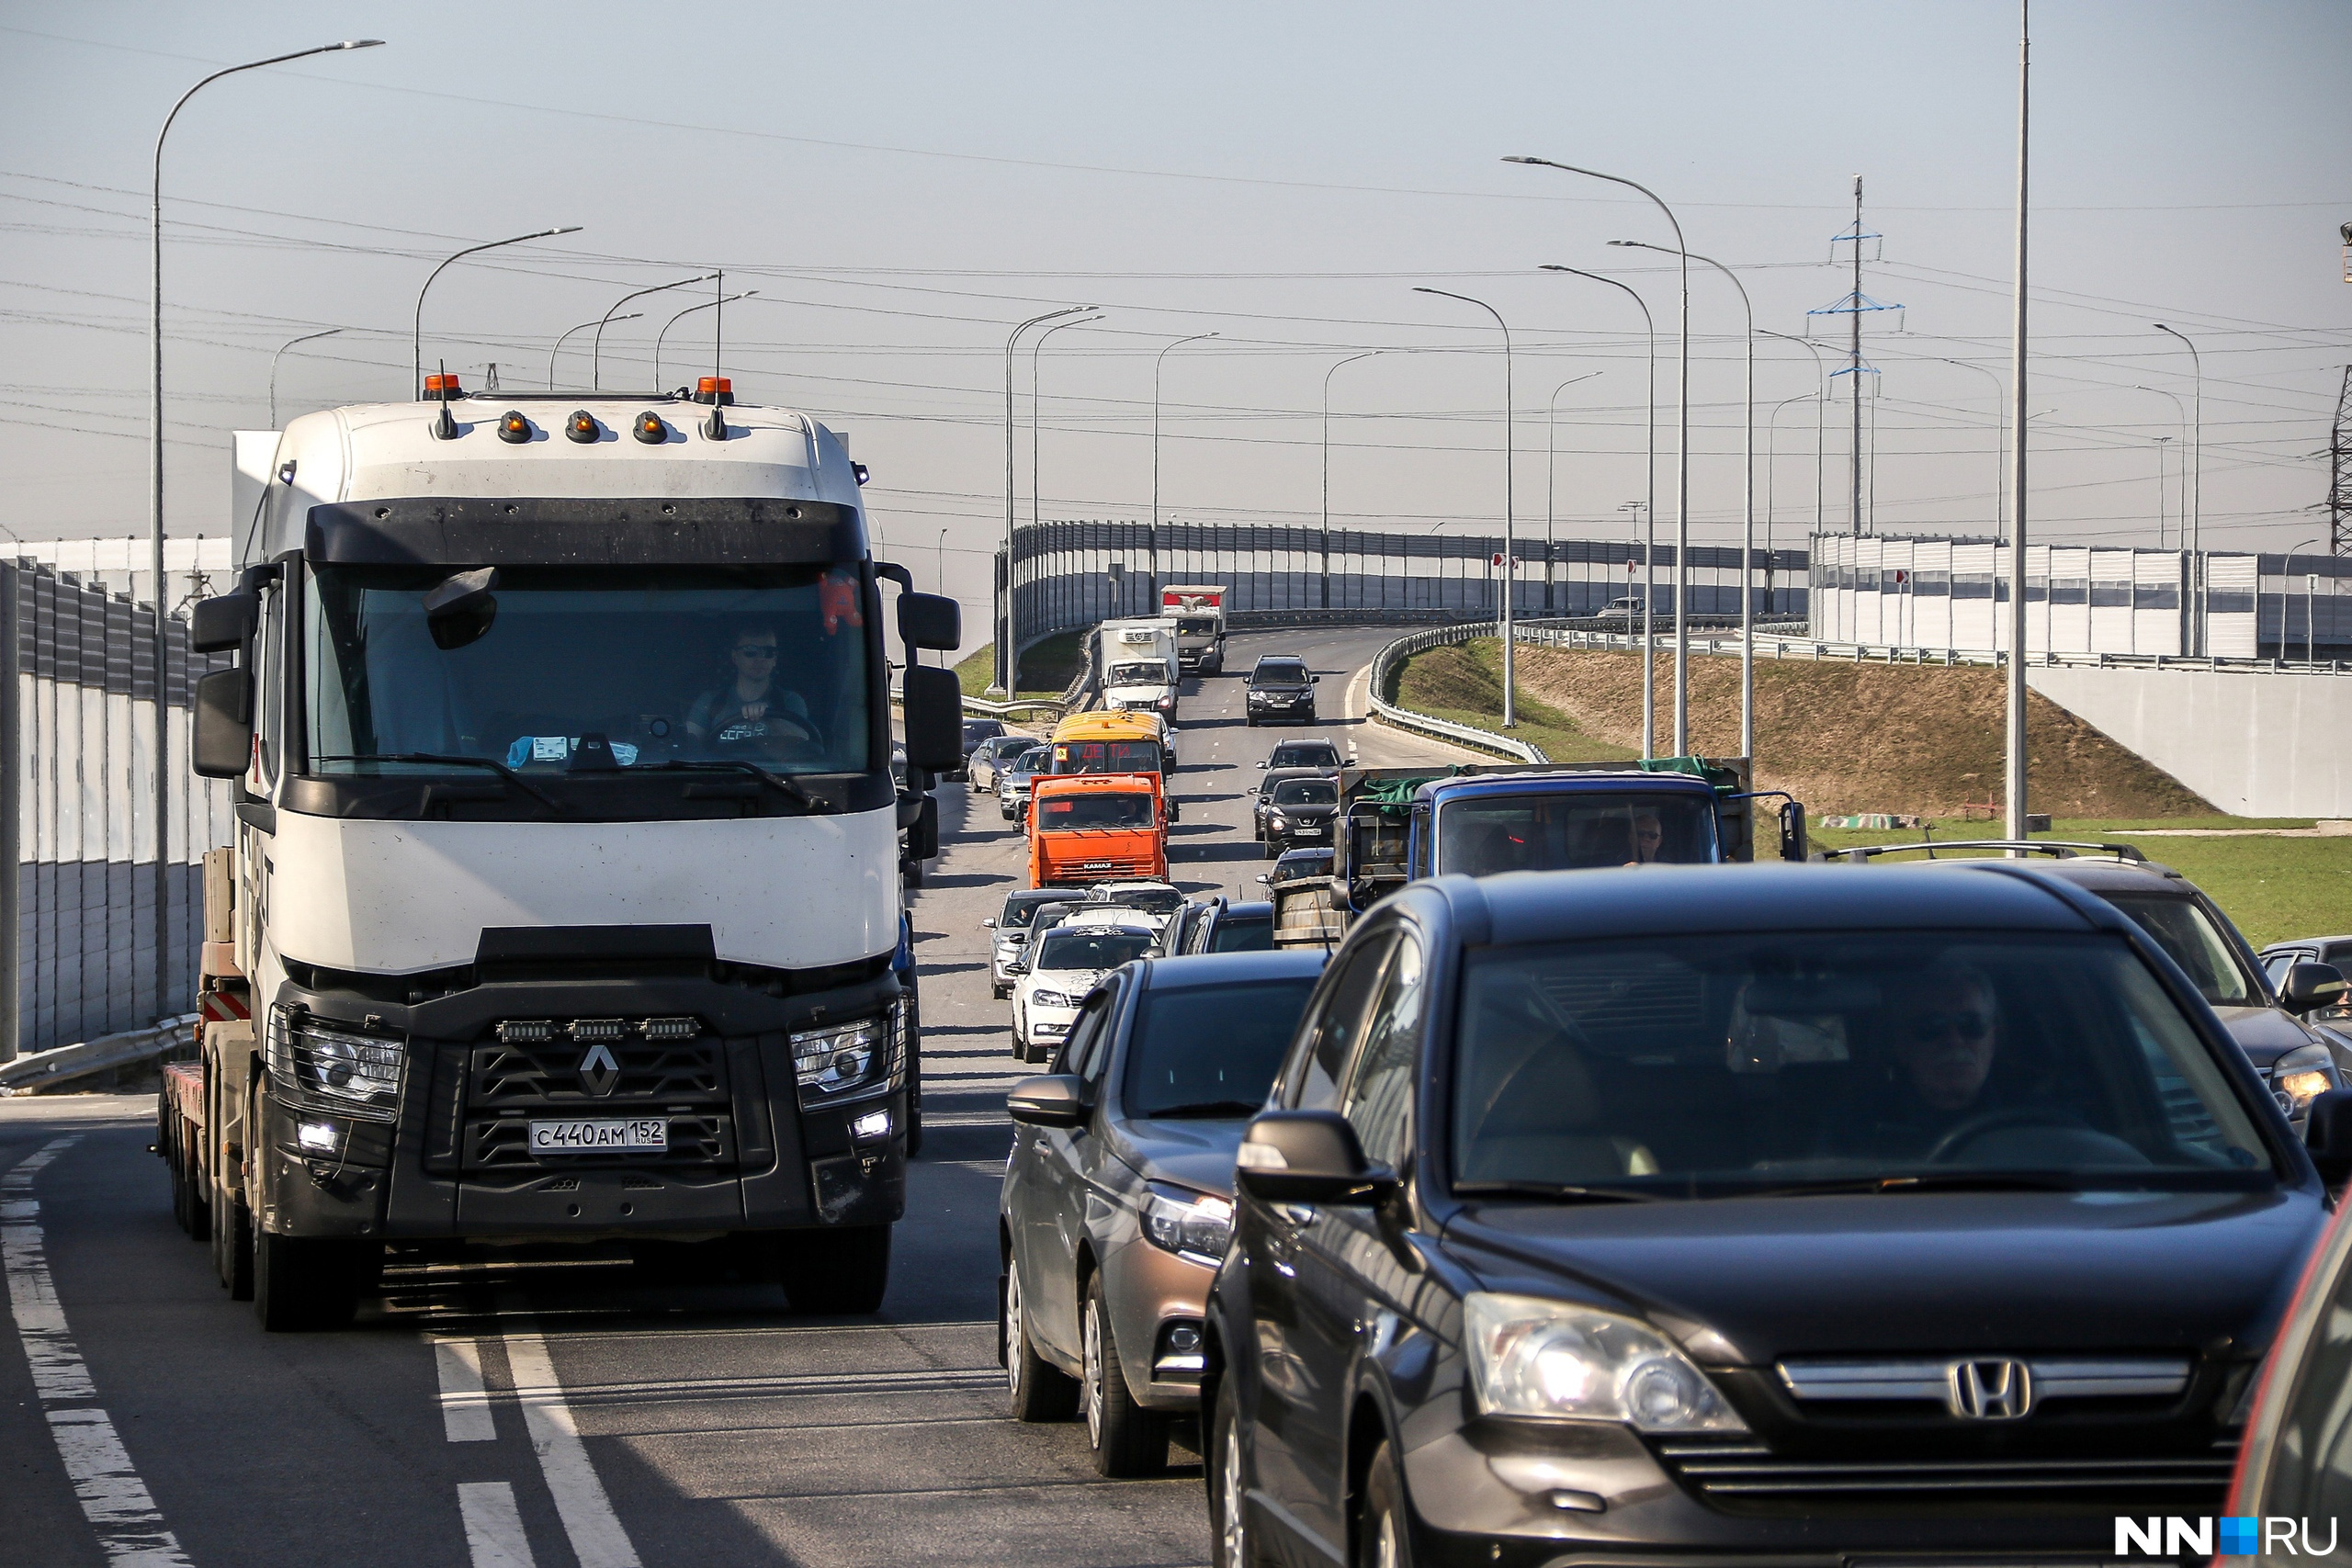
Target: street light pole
pixel 2180 418
pixel 2196 482
pixel 596 353
pixel 2000 443
pixel 1002 687
pixel 1369 354
pixel 664 333
pixel 2014 765
pixel 1649 502
pixel 1551 474
pixel 1771 474
pixel 1820 419
pixel 416 325
pixel 1510 547
pixel 2286 592
pixel 1681 456
pixel 1156 362
pixel 580 328
pixel 274 358
pixel 1036 348
pixel 155 505
pixel 1747 525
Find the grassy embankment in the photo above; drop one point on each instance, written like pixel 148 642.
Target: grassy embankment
pixel 1916 741
pixel 1046 668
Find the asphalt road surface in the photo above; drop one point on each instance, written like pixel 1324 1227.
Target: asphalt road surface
pixel 506 1412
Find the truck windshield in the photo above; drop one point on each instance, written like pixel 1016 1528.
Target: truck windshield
pixel 1146 674
pixel 1195 625
pixel 765 665
pixel 1692 1066
pixel 1071 812
pixel 1492 834
pixel 1107 757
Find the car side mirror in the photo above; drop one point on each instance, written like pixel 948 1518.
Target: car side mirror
pixel 461 609
pixel 935 718
pixel 1016 967
pixel 1314 680
pixel 988 924
pixel 1049 1100
pixel 929 620
pixel 1261 876
pixel 2308 987
pixel 223 745
pixel 224 623
pixel 1309 1157
pixel 1261 767
pixel 2327 1137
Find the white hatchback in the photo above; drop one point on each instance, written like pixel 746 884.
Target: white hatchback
pixel 1061 966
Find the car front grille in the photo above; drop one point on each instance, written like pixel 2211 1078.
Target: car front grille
pixel 1751 1477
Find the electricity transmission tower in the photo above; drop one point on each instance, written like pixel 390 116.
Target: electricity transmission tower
pixel 2339 485
pixel 1853 306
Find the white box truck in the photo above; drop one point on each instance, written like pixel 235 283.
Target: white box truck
pixel 1136 665
pixel 1198 610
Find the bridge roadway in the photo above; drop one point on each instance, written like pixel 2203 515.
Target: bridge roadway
pixel 499 1412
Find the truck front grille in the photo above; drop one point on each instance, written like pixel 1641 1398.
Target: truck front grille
pixel 572 1076
pixel 503 1143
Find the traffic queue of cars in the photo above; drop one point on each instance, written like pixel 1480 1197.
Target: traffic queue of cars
pixel 1676 1212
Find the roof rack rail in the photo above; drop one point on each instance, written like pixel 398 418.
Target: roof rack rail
pixel 2059 848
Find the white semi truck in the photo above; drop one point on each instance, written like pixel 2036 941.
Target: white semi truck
pixel 565 894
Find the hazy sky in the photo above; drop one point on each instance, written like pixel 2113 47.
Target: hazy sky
pixel 901 182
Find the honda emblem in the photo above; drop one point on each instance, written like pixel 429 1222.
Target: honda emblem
pixel 1990 1390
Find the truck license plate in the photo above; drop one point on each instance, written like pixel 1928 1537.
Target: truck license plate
pixel 644 1132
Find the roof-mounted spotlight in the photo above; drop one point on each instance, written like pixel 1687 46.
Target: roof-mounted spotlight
pixel 512 428
pixel 650 429
pixel 581 426
pixel 859 469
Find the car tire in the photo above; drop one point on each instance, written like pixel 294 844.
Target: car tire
pixel 1001 991
pixel 1385 1534
pixel 1227 1467
pixel 1249 721
pixel 232 1244
pixel 1126 1440
pixel 301 1283
pixel 1040 1391
pixel 836 1272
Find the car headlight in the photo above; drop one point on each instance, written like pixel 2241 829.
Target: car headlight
pixel 1191 1225
pixel 1051 999
pixel 325 1066
pixel 1533 1356
pixel 1277 820
pixel 830 1062
pixel 2302 1076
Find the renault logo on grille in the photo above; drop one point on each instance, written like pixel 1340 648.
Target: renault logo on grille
pixel 1990 1390
pixel 598 1070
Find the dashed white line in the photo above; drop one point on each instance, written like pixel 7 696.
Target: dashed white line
pixel 598 1538
pixel 493 1525
pixel 129 1528
pixel 464 1404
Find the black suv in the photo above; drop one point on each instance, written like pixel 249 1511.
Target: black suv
pixel 1671 1215
pixel 1281 687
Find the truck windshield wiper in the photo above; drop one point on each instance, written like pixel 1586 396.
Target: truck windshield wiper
pixel 1559 1191
pixel 1204 1110
pixel 739 765
pixel 437 759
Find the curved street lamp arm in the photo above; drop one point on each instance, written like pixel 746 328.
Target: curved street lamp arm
pixel 416 326
pixel 597 356
pixel 664 333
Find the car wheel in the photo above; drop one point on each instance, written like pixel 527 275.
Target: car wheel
pixel 1001 991
pixel 1040 1390
pixel 1126 1440
pixel 845 1270
pixel 1249 721
pixel 1229 1479
pixel 232 1244
pixel 1384 1536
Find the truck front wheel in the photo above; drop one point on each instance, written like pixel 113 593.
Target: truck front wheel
pixel 303 1284
pixel 836 1272
pixel 232 1244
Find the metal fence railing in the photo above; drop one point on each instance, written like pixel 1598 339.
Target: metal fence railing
pixel 1384 665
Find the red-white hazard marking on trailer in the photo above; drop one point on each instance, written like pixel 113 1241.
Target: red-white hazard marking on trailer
pixel 129 1528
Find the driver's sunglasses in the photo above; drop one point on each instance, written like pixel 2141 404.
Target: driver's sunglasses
pixel 760 650
pixel 1931 1027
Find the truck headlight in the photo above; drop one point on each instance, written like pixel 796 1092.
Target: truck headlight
pixel 1191 1225
pixel 2302 1076
pixel 319 1065
pixel 830 1062
pixel 1533 1356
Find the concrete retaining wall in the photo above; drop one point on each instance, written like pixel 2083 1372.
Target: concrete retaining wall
pixel 2253 744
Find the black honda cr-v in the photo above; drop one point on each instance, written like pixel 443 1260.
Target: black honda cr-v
pixel 1672 1216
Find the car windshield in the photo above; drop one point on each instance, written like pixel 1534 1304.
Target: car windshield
pixel 1210 1051
pixel 980 729
pixel 1242 933
pixel 1489 835
pixel 765 665
pixel 1072 813
pixel 1022 907
pixel 1319 755
pixel 1279 675
pixel 1030 761
pixel 1148 674
pixel 1106 757
pixel 1155 900
pixel 2181 927
pixel 1710 1065
pixel 1306 792
pixel 1062 949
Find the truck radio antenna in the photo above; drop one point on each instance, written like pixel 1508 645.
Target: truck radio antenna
pixel 718 339
pixel 444 428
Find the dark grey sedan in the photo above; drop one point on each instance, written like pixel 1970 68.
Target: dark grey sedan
pixel 1119 1194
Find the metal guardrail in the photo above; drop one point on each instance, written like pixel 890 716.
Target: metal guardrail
pixel 38 1071
pixel 1780 644
pixel 1389 712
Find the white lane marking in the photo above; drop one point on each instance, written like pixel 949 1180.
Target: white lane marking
pixel 464 1404
pixel 123 1513
pixel 493 1525
pixel 598 1538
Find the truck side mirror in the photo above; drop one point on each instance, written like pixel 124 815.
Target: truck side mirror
pixel 223 747
pixel 1792 838
pixel 2327 1137
pixel 225 623
pixel 1309 1156
pixel 2308 987
pixel 935 718
pixel 931 620
pixel 460 610
pixel 922 834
